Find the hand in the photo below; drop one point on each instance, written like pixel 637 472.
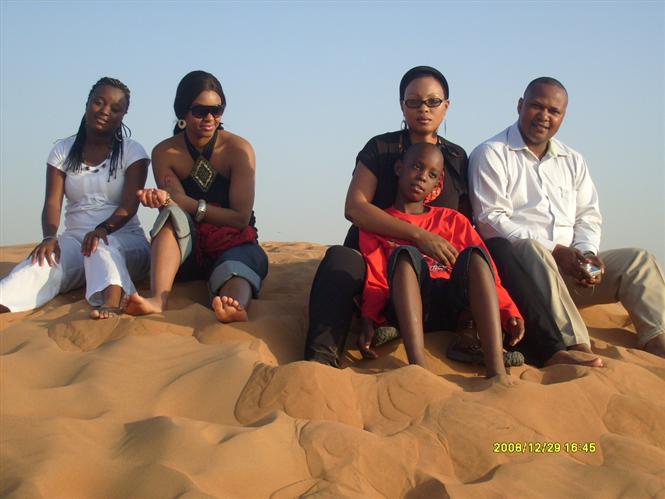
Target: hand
pixel 570 262
pixel 515 330
pixel 153 198
pixel 48 250
pixel 365 339
pixel 588 281
pixel 437 247
pixel 91 240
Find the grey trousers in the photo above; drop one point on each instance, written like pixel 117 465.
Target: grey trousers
pixel 632 277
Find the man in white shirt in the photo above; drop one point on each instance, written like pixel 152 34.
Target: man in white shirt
pixel 535 191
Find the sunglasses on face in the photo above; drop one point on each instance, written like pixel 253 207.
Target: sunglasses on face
pixel 416 103
pixel 200 111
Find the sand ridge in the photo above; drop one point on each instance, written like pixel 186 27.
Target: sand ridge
pixel 178 405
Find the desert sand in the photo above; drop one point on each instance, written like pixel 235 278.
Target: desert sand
pixel 179 405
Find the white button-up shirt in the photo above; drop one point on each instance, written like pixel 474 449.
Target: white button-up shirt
pixel 516 195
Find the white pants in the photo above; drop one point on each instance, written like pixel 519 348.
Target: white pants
pixel 632 277
pixel 127 256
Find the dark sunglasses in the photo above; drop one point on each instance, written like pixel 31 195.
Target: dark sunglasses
pixel 416 103
pixel 200 111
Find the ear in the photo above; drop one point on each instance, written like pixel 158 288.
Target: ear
pixel 398 167
pixel 519 105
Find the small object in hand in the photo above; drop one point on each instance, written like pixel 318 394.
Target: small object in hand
pixel 167 201
pixel 591 270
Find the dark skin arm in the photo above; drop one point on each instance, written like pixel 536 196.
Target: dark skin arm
pixel 360 211
pixel 48 250
pixel 242 172
pixel 135 178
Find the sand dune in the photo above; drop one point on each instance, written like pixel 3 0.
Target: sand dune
pixel 178 405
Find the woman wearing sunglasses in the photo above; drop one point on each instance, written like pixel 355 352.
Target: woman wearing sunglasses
pixel 424 100
pixel 98 172
pixel 206 226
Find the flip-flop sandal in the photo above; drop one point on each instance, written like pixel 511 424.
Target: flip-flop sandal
pixel 384 334
pixel 470 352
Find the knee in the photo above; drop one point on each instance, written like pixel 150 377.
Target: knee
pixel 531 249
pixel 641 259
pixel 477 260
pixel 499 245
pixel 404 260
pixel 343 259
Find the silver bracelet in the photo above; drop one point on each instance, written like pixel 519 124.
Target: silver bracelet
pixel 49 237
pixel 201 210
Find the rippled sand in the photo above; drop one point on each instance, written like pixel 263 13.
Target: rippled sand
pixel 178 405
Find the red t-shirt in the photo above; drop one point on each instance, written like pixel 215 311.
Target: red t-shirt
pixel 447 223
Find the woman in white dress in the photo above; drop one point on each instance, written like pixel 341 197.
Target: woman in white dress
pixel 103 246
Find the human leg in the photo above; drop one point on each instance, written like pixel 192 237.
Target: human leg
pixel 542 338
pixel 171 245
pixel 30 286
pixel 484 306
pixel 236 278
pixel 338 280
pixel 634 278
pixel 407 300
pixel 110 269
pixel 538 262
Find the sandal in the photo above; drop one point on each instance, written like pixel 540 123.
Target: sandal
pixel 384 334
pixel 465 347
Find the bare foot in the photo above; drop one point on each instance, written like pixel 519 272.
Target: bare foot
pixel 502 379
pixel 138 305
pixel 229 310
pixel 656 345
pixel 579 358
pixel 581 347
pixel 105 312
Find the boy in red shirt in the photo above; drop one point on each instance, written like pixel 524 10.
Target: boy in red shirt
pixel 420 293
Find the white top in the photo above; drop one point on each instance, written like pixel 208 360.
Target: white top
pixel 91 196
pixel 516 195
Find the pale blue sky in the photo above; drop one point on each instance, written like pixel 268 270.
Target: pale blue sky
pixel 309 83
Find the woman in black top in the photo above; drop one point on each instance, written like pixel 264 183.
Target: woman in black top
pixel 424 99
pixel 205 229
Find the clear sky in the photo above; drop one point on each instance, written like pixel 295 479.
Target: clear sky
pixel 309 83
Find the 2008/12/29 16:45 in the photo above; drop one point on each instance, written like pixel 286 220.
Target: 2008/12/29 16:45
pixel 544 447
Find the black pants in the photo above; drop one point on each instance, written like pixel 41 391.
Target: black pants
pixel 341 276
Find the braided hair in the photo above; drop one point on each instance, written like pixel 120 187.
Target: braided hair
pixel 75 157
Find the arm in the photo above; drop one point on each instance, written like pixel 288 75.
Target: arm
pixel 492 205
pixel 587 213
pixel 55 191
pixel 135 178
pixel 359 210
pixel 241 190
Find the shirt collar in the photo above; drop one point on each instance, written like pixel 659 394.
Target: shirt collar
pixel 516 142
